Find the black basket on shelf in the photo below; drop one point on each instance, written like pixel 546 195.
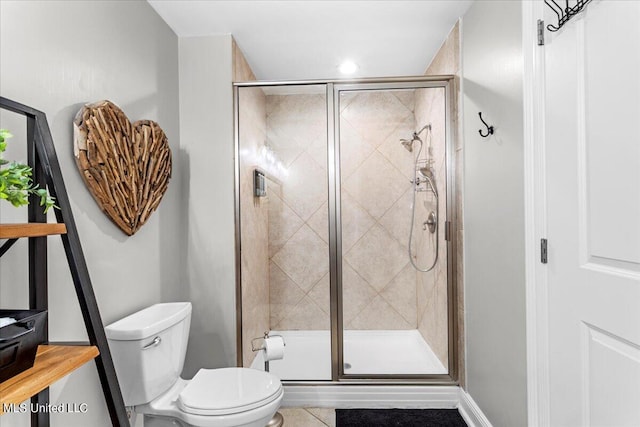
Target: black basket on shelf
pixel 19 340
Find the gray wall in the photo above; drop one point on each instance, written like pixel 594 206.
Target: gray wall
pixel 492 67
pixel 206 135
pixel 56 56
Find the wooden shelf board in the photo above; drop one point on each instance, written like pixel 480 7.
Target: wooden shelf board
pixel 52 363
pixel 33 229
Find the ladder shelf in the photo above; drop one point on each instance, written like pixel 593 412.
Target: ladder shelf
pixel 55 361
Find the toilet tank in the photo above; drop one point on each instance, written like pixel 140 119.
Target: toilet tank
pixel 148 349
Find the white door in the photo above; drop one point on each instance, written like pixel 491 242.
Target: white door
pixel 592 142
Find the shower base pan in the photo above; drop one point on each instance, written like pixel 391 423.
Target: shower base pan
pixel 308 355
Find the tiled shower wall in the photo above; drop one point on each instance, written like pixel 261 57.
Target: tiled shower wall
pixel 379 284
pixel 432 286
pixel 254 262
pixel 447 61
pixel 254 219
pixel 298 248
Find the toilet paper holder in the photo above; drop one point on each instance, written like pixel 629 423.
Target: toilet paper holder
pixel 262 347
pixel 277 420
pixel 266 335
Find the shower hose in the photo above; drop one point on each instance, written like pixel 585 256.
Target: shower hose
pixel 413 214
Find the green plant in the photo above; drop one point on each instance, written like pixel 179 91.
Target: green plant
pixel 15 180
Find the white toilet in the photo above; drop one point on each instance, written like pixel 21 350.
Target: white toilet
pixel 148 350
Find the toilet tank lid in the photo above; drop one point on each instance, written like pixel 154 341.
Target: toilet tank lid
pixel 148 322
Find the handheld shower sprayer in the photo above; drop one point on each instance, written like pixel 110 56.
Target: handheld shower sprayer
pixel 423 173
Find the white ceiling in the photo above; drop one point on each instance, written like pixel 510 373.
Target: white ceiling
pixel 291 40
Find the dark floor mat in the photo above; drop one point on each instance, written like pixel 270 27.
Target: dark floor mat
pixel 399 418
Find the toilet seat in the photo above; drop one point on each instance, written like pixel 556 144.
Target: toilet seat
pixel 227 391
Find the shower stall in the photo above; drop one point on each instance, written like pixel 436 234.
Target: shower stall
pixel 344 205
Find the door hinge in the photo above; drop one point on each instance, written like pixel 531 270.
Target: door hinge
pixel 540 32
pixel 447 230
pixel 543 251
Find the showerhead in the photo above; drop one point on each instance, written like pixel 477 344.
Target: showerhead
pixel 408 144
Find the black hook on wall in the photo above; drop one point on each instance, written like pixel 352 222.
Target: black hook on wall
pixel 489 128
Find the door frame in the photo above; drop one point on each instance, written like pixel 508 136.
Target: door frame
pixel 335 243
pixel 536 280
pixel 333 87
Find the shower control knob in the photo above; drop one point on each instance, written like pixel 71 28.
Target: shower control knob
pixel 430 223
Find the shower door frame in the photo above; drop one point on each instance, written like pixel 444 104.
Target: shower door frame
pixel 333 89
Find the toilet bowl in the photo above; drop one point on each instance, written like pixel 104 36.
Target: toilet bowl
pixel 148 350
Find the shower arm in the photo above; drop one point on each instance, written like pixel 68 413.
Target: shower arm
pixel 427 126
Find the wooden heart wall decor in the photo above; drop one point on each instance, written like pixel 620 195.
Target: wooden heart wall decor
pixel 126 166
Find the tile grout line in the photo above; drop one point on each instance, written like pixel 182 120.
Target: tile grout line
pixel 314 416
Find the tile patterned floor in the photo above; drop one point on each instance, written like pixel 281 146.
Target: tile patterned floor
pixel 309 417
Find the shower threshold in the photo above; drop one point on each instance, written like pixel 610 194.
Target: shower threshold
pixel 374 352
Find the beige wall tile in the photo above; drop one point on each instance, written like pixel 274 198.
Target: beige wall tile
pixel 283 223
pixel 401 295
pixel 397 220
pixel 397 155
pixel 356 294
pixel 353 150
pixel 296 131
pixel 284 294
pixel 379 315
pixel 305 187
pixel 241 70
pixel 306 315
pixel 355 221
pixel 376 185
pixel 375 114
pixel 294 123
pixel 304 258
pixel 407 97
pixel 377 257
pixel 427 323
pixel 319 222
pixel 320 294
pixel 447 60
